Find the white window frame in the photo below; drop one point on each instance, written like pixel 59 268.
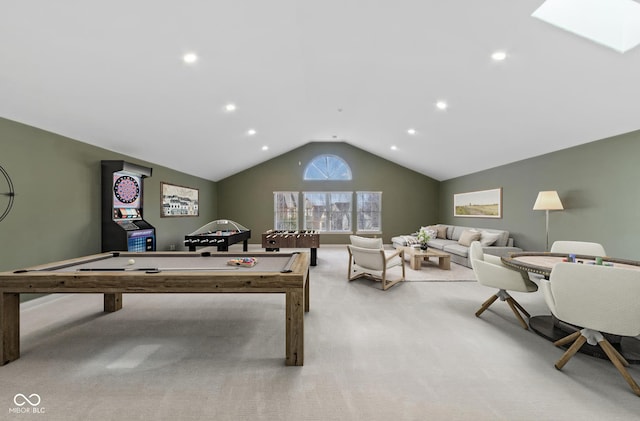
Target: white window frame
pixel 282 221
pixel 327 167
pixel 328 218
pixel 374 216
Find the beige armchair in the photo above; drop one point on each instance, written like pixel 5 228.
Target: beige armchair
pixel 578 247
pixel 600 299
pixel 490 272
pixel 367 258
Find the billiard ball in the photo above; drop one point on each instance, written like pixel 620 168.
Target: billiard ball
pixel 131 261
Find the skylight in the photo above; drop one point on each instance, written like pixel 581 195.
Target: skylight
pixel 612 23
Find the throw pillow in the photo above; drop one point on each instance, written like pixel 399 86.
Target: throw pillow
pixel 442 231
pixel 488 238
pixel 468 236
pixel 431 230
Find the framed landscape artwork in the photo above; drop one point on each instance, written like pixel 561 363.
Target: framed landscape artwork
pixel 478 204
pixel 178 200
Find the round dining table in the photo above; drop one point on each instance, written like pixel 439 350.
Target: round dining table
pixel 553 329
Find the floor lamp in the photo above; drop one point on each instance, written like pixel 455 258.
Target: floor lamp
pixel 546 201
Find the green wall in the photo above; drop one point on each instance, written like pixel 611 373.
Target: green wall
pixel 409 199
pixel 597 183
pixel 56 213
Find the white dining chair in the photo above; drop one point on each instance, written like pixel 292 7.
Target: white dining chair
pixel 490 272
pixel 578 247
pixel 599 300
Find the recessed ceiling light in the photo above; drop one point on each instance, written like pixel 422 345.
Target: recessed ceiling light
pixel 499 55
pixel 230 107
pixel 394 148
pixel 441 105
pixel 265 147
pixel 612 23
pixel 412 131
pixel 190 58
pixel 251 132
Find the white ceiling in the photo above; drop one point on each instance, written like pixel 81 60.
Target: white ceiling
pixel 111 74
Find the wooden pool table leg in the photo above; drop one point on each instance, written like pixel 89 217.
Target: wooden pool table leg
pixel 112 302
pixel 306 294
pixel 295 327
pixel 9 327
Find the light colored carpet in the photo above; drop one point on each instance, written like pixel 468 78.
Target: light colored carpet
pixel 414 352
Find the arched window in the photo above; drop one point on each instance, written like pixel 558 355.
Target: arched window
pixel 327 167
pixel 328 211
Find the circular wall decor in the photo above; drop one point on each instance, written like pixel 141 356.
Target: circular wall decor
pixel 7 194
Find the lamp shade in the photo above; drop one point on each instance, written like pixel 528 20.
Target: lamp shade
pixel 548 200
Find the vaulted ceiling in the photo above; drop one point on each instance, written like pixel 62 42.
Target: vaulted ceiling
pixel 112 74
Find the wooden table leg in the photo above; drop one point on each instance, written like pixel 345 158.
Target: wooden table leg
pixel 9 327
pixel 294 327
pixel 444 262
pixel 112 302
pixel 306 294
pixel 416 262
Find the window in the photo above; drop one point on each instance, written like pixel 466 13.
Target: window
pixel 327 211
pixel 369 211
pixel 285 210
pixel 327 167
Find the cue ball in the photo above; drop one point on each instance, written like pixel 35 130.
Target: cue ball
pixel 131 261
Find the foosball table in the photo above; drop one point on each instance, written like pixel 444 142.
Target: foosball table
pixel 274 240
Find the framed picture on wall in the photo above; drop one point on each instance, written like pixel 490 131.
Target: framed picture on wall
pixel 178 200
pixel 478 204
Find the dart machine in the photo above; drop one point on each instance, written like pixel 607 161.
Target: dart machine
pixel 123 225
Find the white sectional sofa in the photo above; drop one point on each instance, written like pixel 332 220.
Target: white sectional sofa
pixel 455 240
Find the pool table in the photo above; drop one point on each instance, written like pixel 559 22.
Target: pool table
pixel 116 273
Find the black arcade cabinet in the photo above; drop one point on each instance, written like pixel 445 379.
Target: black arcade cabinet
pixel 123 226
